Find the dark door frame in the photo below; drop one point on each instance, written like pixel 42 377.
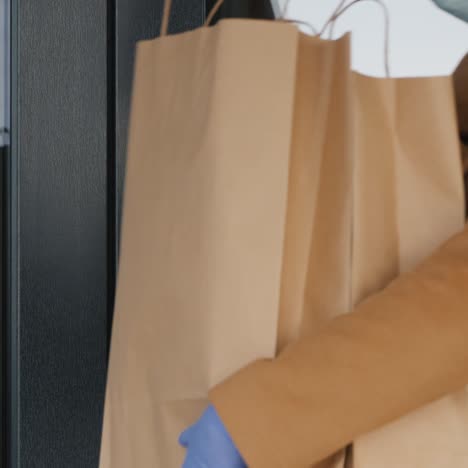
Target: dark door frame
pixel 10 229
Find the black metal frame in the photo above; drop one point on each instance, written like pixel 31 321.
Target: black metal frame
pixel 112 189
pixel 3 292
pixel 10 297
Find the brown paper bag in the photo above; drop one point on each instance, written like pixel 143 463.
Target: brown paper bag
pixel 408 199
pixel 248 146
pixel 230 125
pixel 316 275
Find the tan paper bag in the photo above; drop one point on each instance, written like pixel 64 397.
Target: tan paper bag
pixel 408 199
pixel 248 153
pixel 230 126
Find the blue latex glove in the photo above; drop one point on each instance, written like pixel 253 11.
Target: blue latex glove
pixel 458 8
pixel 209 445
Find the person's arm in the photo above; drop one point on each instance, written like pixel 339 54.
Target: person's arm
pixel 401 349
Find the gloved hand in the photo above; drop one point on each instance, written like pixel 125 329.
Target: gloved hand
pixel 458 8
pixel 209 445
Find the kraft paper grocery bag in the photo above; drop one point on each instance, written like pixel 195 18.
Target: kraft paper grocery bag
pixel 230 126
pixel 250 201
pixel 409 198
pixel 340 382
pixel 402 145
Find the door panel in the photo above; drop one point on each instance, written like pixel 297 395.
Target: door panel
pixel 62 154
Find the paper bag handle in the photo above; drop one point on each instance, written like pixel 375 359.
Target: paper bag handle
pixel 215 9
pixel 342 8
pixel 165 17
pixel 167 14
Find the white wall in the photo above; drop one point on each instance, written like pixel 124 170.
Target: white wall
pixel 424 39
